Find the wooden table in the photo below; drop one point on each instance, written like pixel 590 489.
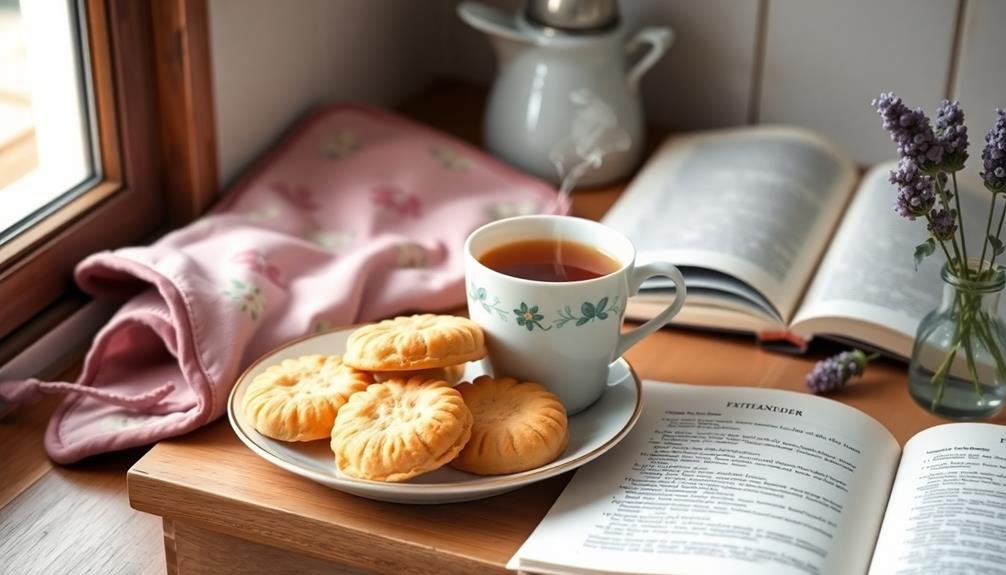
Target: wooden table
pixel 227 510
pixel 224 509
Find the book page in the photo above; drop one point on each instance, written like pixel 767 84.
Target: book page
pixel 759 204
pixel 868 274
pixel 725 480
pixel 947 512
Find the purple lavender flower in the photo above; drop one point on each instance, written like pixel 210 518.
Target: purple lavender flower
pixel 943 224
pixel 952 134
pixel 833 373
pixel 994 155
pixel 915 190
pixel 910 130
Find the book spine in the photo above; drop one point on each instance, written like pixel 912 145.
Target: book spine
pixel 782 341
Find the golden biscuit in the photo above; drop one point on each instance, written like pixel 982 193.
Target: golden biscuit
pixel 518 426
pixel 297 400
pixel 452 374
pixel 415 342
pixel 398 429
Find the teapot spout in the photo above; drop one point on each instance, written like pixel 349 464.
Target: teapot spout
pixel 498 25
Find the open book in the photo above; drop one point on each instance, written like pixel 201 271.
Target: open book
pixel 735 480
pixel 775 237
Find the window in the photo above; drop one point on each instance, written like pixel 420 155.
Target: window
pixel 46 109
pixel 93 95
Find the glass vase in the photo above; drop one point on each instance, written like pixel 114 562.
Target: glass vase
pixel 958 365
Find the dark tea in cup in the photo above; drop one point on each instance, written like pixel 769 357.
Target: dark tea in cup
pixel 549 260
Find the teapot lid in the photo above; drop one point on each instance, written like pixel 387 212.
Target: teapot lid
pixel 573 15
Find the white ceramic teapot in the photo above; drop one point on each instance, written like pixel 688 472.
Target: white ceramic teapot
pixel 566 97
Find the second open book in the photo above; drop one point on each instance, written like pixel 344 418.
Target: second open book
pixel 735 480
pixel 777 235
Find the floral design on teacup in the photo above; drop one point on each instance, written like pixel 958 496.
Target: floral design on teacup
pixel 588 312
pixel 480 296
pixel 529 317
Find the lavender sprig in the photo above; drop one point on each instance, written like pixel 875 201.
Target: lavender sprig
pixel 915 190
pixel 910 130
pixel 943 224
pixel 930 159
pixel 994 155
pixel 835 372
pixel 952 135
pixel 994 175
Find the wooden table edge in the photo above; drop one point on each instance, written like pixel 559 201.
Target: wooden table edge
pixel 354 547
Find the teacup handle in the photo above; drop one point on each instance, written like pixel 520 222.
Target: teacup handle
pixel 638 276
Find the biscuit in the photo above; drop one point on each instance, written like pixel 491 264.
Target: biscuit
pixel 452 374
pixel 297 400
pixel 401 428
pixel 518 426
pixel 415 342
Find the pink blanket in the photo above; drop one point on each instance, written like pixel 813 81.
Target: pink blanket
pixel 357 215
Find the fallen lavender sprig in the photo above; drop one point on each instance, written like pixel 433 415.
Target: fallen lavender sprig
pixel 833 373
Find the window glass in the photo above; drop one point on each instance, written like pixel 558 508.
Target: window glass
pixel 47 152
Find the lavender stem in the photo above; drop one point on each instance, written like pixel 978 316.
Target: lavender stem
pixel 960 224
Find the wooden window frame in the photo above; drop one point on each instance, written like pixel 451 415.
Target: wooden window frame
pixel 152 96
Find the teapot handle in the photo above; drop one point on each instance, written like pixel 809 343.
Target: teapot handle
pixel 659 40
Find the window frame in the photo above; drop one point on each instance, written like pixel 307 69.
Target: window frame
pixel 149 67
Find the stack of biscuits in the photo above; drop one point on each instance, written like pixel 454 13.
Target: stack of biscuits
pixel 393 409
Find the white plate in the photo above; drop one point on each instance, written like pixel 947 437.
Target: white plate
pixel 591 433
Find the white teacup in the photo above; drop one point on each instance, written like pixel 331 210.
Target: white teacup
pixel 563 335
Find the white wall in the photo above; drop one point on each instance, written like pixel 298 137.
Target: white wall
pixel 824 61
pixel 273 59
pixel 980 83
pixel 815 63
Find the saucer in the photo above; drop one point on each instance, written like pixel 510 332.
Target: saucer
pixel 592 432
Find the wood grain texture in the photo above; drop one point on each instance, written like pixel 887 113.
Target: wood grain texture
pixel 24 459
pixel 185 96
pixel 78 520
pixel 202 552
pixel 210 479
pixel 73 519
